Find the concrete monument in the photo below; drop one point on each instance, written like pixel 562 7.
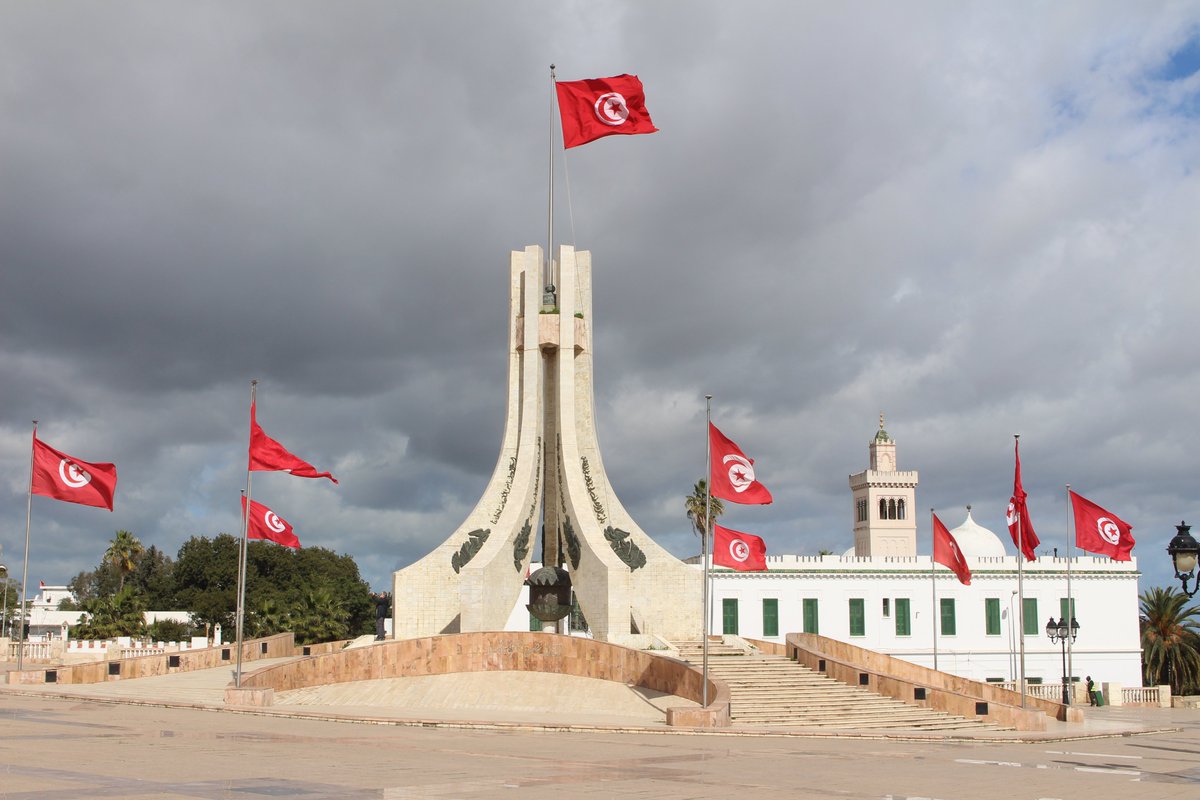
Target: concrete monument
pixel 549 472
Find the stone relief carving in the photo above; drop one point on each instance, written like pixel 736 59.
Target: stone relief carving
pixel 471 546
pixel 623 546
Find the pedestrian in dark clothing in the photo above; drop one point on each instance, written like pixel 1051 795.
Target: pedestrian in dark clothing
pixel 1091 690
pixel 383 602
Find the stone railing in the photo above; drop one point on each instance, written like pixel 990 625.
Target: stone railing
pixel 497 651
pixel 921 686
pixel 34 651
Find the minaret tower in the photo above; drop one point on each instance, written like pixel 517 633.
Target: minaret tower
pixel 884 503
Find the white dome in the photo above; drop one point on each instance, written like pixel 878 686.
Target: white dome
pixel 975 540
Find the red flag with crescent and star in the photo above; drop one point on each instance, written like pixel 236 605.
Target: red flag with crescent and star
pixel 947 553
pixel 1100 531
pixel 67 478
pixel 268 455
pixel 1019 526
pixel 732 473
pixel 740 551
pixel 264 523
pixel 591 109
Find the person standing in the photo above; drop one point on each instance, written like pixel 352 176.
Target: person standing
pixel 1091 690
pixel 383 602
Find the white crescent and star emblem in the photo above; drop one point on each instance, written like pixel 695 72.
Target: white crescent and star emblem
pixel 741 472
pixel 1012 514
pixel 611 109
pixel 738 550
pixel 72 475
pixel 1108 530
pixel 272 521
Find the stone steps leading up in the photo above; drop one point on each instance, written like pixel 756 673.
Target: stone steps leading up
pixel 772 691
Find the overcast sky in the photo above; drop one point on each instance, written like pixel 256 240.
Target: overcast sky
pixel 979 219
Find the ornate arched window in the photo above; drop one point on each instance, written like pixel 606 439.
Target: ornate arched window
pixel 882 508
pixel 900 508
pixel 891 509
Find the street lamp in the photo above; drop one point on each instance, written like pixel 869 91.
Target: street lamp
pixel 1058 632
pixel 1183 550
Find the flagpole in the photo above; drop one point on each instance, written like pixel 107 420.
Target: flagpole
pixel 1070 602
pixel 242 554
pixel 933 583
pixel 550 206
pixel 705 536
pixel 1021 582
pixel 25 568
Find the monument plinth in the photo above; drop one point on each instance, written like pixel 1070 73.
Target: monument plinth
pixel 549 472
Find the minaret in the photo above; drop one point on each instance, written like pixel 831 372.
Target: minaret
pixel 884 503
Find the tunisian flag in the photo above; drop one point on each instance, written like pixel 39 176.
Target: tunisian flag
pixel 600 107
pixel 65 477
pixel 268 455
pixel 946 552
pixel 740 551
pixel 732 473
pixel 1018 515
pixel 266 524
pixel 1100 531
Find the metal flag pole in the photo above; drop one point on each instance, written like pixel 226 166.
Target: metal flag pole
pixel 933 583
pixel 1021 583
pixel 25 568
pixel 704 537
pixel 242 554
pixel 1070 614
pixel 550 207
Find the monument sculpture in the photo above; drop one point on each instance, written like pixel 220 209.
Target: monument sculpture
pixel 549 477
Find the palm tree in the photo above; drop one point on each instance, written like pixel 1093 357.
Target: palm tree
pixel 318 617
pixel 694 504
pixel 123 553
pixel 1170 639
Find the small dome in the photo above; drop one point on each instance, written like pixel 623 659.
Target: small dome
pixel 977 541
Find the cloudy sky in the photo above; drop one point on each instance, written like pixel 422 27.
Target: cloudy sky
pixel 977 219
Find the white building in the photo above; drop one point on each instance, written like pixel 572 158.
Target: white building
pixel 880 595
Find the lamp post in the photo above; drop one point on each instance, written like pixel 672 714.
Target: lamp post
pixel 1058 632
pixel 1183 550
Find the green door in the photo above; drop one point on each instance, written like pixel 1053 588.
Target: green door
pixel 729 616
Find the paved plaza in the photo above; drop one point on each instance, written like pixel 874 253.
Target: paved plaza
pixel 167 738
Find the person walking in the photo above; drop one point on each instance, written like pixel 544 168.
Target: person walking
pixel 1091 690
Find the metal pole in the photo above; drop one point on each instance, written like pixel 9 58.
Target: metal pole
pixel 550 209
pixel 25 568
pixel 1070 602
pixel 4 617
pixel 933 584
pixel 705 536
pixel 1066 696
pixel 1021 585
pixel 242 553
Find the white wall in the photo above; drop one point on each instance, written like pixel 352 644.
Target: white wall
pixel 1105 595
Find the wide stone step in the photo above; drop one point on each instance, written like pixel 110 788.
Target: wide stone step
pixel 767 690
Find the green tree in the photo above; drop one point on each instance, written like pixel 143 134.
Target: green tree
pixel 205 579
pixel 153 578
pixel 123 553
pixel 121 614
pixel 267 618
pixel 318 617
pixel 694 504
pixel 169 630
pixel 1170 640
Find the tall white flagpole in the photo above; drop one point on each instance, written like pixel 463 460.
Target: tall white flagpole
pixel 25 568
pixel 1021 582
pixel 933 583
pixel 550 207
pixel 705 536
pixel 1070 602
pixel 242 554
